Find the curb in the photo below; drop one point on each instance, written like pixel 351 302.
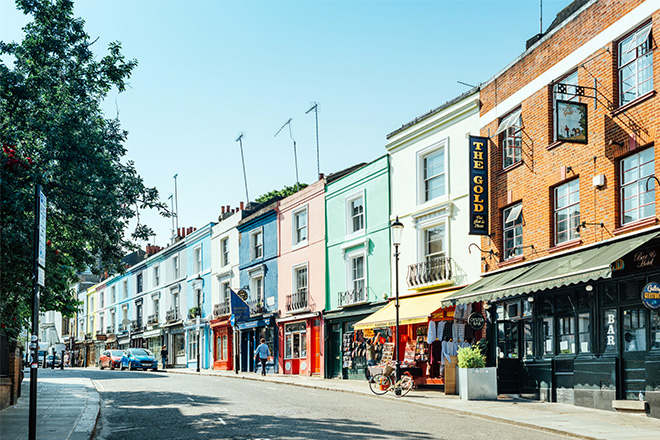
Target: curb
pixel 85 427
pixel 409 402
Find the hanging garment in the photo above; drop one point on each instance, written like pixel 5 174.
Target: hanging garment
pixel 435 357
pixel 446 334
pixel 446 352
pixel 431 333
pixel 458 332
pixel 459 312
pixel 440 329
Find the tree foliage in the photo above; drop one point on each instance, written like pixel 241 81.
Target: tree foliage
pixel 54 132
pixel 284 192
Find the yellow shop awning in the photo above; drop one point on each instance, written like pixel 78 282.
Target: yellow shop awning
pixel 412 310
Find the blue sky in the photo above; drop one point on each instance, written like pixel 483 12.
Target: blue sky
pixel 210 69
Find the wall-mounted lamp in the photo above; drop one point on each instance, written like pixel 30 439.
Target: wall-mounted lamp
pixel 584 225
pixel 530 299
pixel 588 287
pixel 613 142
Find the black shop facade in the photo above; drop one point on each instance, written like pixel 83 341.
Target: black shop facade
pixel 581 328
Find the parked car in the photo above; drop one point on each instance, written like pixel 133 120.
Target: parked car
pixel 138 358
pixel 42 358
pixel 110 359
pixel 49 361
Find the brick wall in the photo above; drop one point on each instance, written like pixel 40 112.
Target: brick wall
pixel 613 133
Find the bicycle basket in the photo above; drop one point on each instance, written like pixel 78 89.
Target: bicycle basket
pixel 388 370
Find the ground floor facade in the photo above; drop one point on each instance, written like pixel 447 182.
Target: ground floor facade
pixel 223 346
pixel 300 343
pixel 248 335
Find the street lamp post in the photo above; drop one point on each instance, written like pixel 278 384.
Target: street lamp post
pixel 397 229
pixel 200 281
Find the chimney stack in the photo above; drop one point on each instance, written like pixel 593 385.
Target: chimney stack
pixel 241 206
pixel 222 210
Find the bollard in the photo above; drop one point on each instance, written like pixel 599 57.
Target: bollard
pixel 62 361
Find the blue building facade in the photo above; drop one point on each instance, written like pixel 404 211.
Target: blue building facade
pixel 258 252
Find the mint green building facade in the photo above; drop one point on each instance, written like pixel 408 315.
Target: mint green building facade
pixel 358 258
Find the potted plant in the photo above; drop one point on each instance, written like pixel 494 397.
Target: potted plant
pixel 475 381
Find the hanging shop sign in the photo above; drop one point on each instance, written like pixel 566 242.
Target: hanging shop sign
pixel 476 320
pixel 571 120
pixel 610 330
pixel 651 296
pixel 478 185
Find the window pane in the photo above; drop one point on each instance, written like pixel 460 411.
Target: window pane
pixel 584 328
pixel 634 330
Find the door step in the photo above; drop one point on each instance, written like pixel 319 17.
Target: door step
pixel 630 406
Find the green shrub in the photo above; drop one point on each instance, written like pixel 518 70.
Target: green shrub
pixel 471 357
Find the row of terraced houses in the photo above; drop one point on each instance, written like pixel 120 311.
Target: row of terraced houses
pixel 565 272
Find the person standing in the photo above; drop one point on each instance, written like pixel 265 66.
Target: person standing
pixel 262 353
pixel 163 355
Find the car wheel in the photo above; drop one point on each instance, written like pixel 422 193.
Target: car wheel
pixel 121 367
pixel 101 365
pixel 130 366
pixel 112 365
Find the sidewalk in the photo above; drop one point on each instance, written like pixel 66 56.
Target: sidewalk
pixel 67 408
pixel 568 420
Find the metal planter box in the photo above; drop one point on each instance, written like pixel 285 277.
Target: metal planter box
pixel 477 383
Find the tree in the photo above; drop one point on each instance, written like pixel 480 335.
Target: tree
pixel 53 132
pixel 284 192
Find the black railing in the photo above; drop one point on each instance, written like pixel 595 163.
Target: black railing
pixel 432 271
pixel 222 308
pixel 257 306
pixel 110 329
pixel 172 315
pixel 352 297
pixel 152 319
pixel 297 301
pixel 136 325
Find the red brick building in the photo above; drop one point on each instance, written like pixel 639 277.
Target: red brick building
pixel 574 235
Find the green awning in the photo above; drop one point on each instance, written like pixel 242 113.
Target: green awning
pixel 577 267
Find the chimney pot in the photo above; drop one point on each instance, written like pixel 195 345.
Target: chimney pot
pixel 241 206
pixel 222 210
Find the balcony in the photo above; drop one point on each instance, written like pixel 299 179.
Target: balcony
pixel 152 319
pixel 221 309
pixel 351 297
pixel 172 315
pixel 122 328
pixel 297 302
pixel 257 306
pixel 432 272
pixel 110 329
pixel 136 325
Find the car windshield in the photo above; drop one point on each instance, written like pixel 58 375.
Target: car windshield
pixel 116 352
pixel 140 352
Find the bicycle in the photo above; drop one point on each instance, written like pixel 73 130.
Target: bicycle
pixel 383 382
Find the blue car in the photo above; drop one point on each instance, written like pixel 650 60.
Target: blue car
pixel 138 358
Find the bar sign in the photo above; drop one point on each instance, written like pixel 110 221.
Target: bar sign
pixel 478 185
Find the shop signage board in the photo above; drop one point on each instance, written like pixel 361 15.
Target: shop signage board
pixel 478 171
pixel 636 261
pixel 610 330
pixel 476 320
pixel 571 120
pixel 651 296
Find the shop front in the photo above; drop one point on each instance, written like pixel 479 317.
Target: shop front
pixel 123 342
pixel 153 340
pixel 249 335
pixel 222 344
pixel 301 344
pixel 581 328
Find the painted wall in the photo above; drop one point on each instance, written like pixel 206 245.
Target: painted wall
pixel 225 229
pixel 446 129
pixel 371 181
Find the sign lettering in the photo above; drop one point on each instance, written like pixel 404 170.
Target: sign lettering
pixel 610 330
pixel 477 321
pixel 478 185
pixel 651 296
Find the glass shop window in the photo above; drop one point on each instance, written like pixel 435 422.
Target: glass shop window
pixel 655 329
pixel 528 339
pixel 634 330
pixel 566 333
pixel 508 340
pixel 548 335
pixel 610 294
pixel 583 332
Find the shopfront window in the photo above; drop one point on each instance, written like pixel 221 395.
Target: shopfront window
pixel 634 330
pixel 583 329
pixel 566 334
pixel 528 339
pixel 295 341
pixel 180 344
pixel 221 347
pixel 508 340
pixel 655 329
pixel 548 335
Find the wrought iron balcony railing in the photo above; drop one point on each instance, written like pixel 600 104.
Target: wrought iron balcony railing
pixel 136 325
pixel 435 270
pixel 257 306
pixel 172 315
pixel 352 297
pixel 110 329
pixel 297 301
pixel 152 319
pixel 222 308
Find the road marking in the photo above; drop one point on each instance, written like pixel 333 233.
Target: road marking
pixel 97 384
pixel 190 399
pixel 222 421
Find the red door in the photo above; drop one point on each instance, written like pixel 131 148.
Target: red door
pixel 316 346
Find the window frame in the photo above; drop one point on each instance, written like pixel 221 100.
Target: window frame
pixel 518 222
pixel 253 246
pixel 139 282
pixel 637 181
pixel 176 267
pixel 572 233
pixel 442 175
pixel 350 280
pixel 425 242
pixel 197 259
pixel 510 134
pixel 350 217
pixel 224 251
pixel 646 50
pixel 296 241
pixel 157 275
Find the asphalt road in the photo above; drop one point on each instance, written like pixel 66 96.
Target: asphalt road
pixel 167 406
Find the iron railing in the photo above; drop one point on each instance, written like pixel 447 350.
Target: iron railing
pixel 257 306
pixel 222 308
pixel 152 319
pixel 136 325
pixel 352 297
pixel 297 301
pixel 172 315
pixel 432 271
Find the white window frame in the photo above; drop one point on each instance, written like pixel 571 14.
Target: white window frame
pixel 349 213
pixel 224 289
pixel 192 346
pixel 224 251
pixel 295 241
pixel 639 182
pixel 113 294
pixel 424 241
pixel 350 282
pixel 256 295
pixel 506 214
pixel 176 267
pixel 125 288
pixel 252 244
pixel 156 275
pixel 572 232
pixel 294 273
pixel 639 43
pixel 511 132
pixel 101 300
pixel 197 259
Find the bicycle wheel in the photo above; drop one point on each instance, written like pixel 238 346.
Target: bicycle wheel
pixel 406 385
pixel 379 384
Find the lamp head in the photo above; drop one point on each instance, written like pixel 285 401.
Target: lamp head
pixel 397 230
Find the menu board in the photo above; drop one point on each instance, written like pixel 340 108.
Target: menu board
pixel 388 352
pixel 409 353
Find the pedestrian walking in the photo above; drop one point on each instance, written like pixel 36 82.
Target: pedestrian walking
pixel 262 353
pixel 163 355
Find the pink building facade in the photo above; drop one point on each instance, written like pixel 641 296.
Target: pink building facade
pixel 301 280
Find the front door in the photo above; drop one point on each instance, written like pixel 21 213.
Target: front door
pixel 316 346
pixel 335 351
pixel 634 349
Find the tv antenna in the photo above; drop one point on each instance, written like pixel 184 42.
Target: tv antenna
pixel 171 199
pixel 295 155
pixel 239 139
pixel 176 203
pixel 315 107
